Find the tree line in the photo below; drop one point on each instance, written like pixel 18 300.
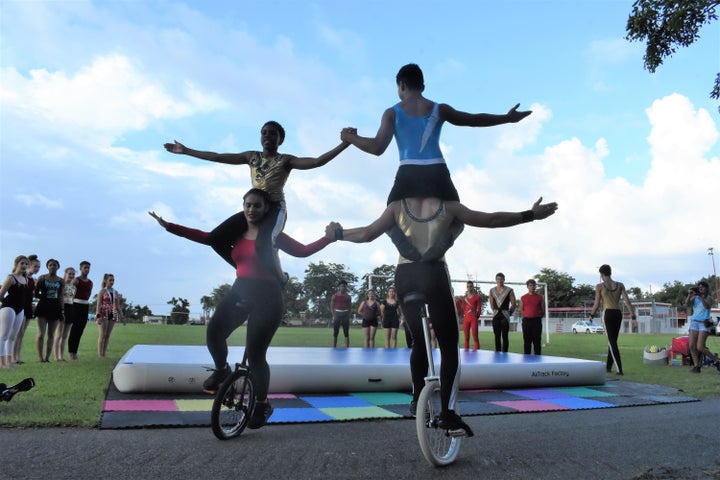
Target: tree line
pixel 309 298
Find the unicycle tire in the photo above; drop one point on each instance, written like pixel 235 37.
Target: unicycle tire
pixel 233 406
pixel 437 445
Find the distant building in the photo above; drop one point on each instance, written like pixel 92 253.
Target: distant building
pixel 154 320
pixel 652 317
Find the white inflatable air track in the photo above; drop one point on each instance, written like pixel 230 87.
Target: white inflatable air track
pixel 183 368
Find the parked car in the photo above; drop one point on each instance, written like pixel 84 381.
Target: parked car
pixel 587 327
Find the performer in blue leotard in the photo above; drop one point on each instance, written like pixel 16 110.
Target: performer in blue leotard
pixel 416 122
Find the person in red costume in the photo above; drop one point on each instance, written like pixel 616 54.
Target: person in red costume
pixel 471 308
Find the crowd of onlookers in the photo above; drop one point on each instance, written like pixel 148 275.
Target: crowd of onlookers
pixel 61 306
pixel 469 307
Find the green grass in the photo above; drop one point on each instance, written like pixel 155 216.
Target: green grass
pixel 71 393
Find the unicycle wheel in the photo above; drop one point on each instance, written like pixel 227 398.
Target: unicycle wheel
pixel 233 406
pixel 438 446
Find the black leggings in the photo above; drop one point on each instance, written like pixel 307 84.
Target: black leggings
pixel 260 302
pixel 501 327
pixel 341 319
pixel 80 320
pixel 432 280
pixel 532 334
pixel 612 318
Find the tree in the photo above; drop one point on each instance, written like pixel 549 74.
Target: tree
pixel 673 293
pixel 560 287
pixel 383 279
pixel 180 313
pixel 582 294
pixel 666 25
pixel 295 300
pixel 207 305
pixel 635 293
pixel 320 283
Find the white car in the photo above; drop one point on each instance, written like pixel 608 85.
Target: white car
pixel 587 327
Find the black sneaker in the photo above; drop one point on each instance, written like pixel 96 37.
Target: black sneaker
pixel 450 420
pixel 214 381
pixel 695 370
pixel 413 408
pixel 260 416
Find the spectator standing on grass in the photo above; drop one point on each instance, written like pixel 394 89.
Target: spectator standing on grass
pixel 81 308
pixel 611 292
pixel 33 268
pixel 390 312
pixel 698 298
pixel 340 305
pixel 533 310
pixel 502 303
pixel 49 310
pixel 369 309
pixel 107 312
pixel 63 327
pixel 12 295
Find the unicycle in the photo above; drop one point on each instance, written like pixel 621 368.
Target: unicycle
pixel 439 446
pixel 234 403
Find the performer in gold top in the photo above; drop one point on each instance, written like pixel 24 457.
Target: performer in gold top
pixel 427 229
pixel 269 170
pixel 611 292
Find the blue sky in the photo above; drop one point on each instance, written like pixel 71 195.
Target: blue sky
pixel 90 91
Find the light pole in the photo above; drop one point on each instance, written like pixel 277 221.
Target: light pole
pixel 717 289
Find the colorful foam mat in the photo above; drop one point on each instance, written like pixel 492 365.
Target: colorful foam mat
pixel 157 410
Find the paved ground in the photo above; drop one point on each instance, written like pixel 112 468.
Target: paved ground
pixel 676 441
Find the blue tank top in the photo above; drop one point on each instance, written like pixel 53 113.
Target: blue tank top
pixel 418 138
pixel 700 313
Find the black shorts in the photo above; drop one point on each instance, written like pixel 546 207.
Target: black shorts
pixel 391 322
pixel 369 322
pixel 423 181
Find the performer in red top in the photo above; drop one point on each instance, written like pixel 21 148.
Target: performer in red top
pixel 340 304
pixel 533 310
pixel 471 308
pixel 256 296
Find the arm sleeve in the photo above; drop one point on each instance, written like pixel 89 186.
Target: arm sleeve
pixel 297 249
pixel 189 233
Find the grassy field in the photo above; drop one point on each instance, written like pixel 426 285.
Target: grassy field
pixel 71 393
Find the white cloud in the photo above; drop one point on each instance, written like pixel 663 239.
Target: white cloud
pixel 109 96
pixel 37 199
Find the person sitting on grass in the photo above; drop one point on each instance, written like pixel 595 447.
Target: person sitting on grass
pixel 256 296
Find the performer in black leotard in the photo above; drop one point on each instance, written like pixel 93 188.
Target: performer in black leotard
pixel 425 223
pixel 256 296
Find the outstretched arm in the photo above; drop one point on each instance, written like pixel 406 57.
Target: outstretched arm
pixel 182 231
pixel 306 163
pixel 464 119
pixel 362 234
pixel 476 218
pixel 372 145
pixel 291 246
pixel 229 158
